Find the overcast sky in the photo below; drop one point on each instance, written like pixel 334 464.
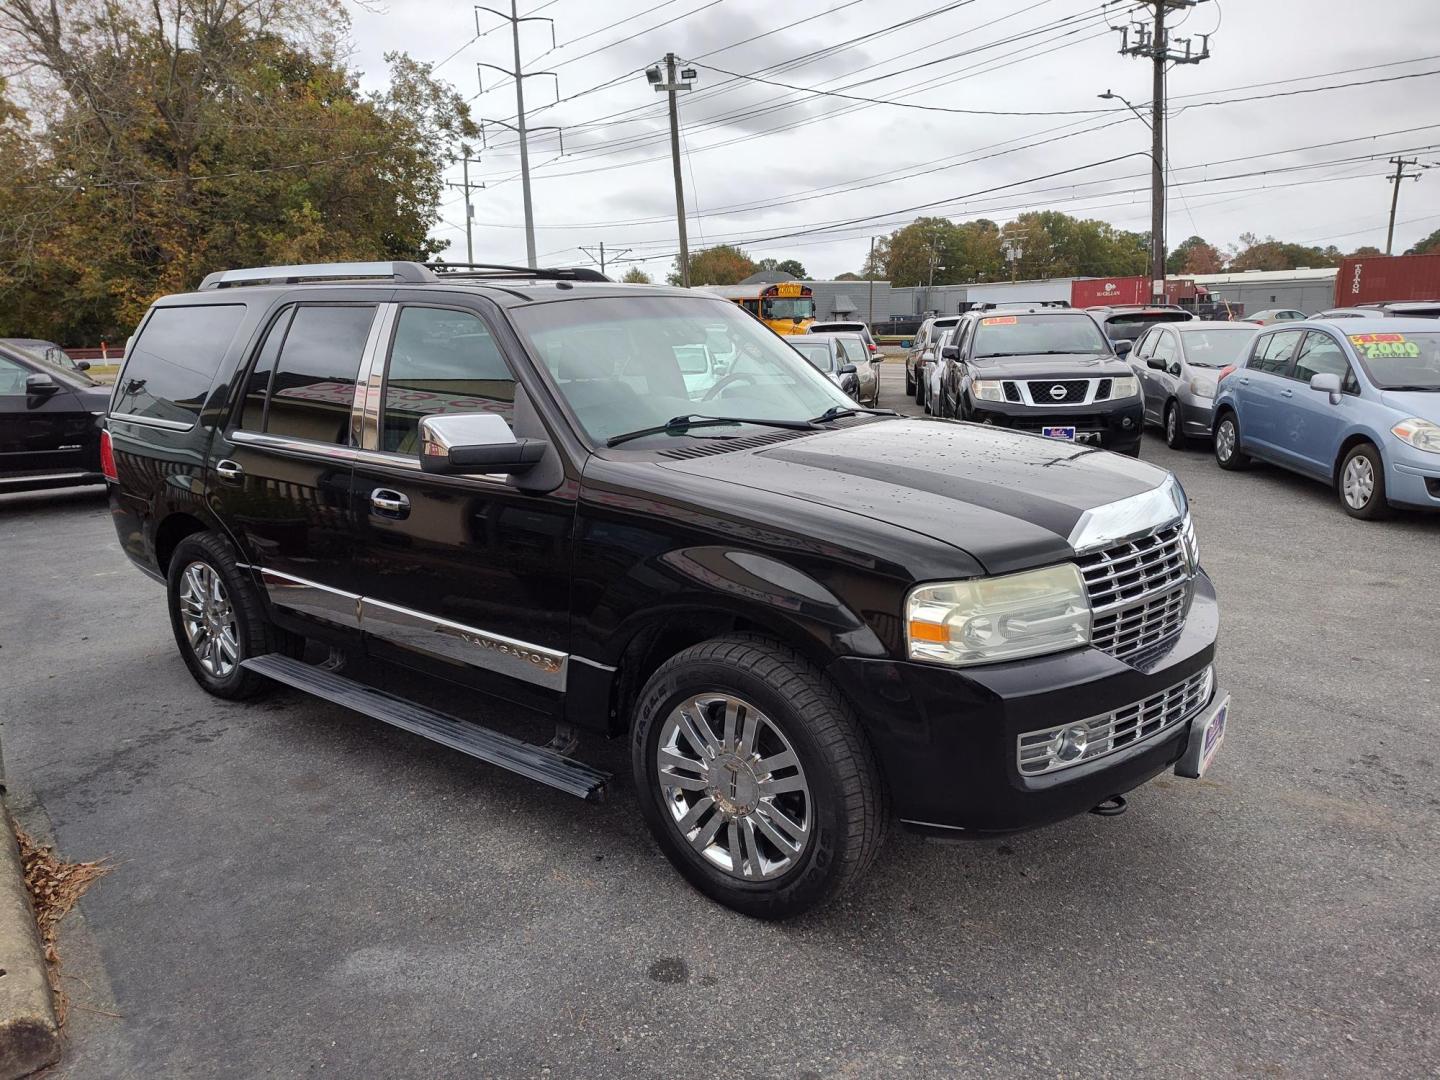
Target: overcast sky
pixel 821 162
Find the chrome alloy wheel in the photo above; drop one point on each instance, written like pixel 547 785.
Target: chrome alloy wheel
pixel 209 620
pixel 1225 440
pixel 1358 482
pixel 734 786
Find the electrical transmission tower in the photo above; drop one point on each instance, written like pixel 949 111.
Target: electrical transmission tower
pixel 1155 43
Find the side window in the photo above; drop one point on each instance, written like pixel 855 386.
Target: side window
pixel 445 361
pixel 1142 347
pixel 257 384
pixel 313 390
pixel 169 368
pixel 12 378
pixel 1272 353
pixel 1164 348
pixel 1321 354
pixel 752 306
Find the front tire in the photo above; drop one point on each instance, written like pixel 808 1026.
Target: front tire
pixel 754 777
pixel 1174 436
pixel 909 382
pixel 1228 454
pixel 219 619
pixel 1361 484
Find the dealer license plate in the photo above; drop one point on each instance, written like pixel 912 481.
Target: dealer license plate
pixel 1207 732
pixel 1064 434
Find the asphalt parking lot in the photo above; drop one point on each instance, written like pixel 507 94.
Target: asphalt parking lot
pixel 299 891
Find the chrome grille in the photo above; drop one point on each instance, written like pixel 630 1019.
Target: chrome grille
pixel 1075 391
pixel 1139 591
pixel 1045 751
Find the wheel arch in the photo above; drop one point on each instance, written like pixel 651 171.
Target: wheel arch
pixel 1348 444
pixel 172 529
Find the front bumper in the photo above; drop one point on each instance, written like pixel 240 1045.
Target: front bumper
pixel 1197 415
pixel 947 738
pixel 1114 425
pixel 1413 478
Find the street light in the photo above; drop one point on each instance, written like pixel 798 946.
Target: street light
pixel 1110 95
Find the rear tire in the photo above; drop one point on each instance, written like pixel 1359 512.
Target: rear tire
pixel 920 385
pixel 909 382
pixel 218 618
pixel 1361 484
pixel 754 702
pixel 1228 454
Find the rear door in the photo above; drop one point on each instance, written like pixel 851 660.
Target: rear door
pixel 1258 390
pixel 280 471
pixel 458 571
pixel 1160 381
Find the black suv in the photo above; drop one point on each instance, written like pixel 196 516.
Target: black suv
pixel 1044 370
pixel 804 616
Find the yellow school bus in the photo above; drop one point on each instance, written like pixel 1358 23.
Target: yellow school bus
pixel 787 307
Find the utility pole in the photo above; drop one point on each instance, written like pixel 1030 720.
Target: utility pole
pixel 601 257
pixel 870 273
pixel 1153 42
pixel 672 85
pixel 1401 164
pixel 467 187
pixel 515 19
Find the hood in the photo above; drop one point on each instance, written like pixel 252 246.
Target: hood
pixel 1422 403
pixel 1009 500
pixel 1070 366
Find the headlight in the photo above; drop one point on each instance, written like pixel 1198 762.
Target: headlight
pixel 1125 386
pixel 1421 434
pixel 1202 387
pixel 988 390
pixel 986 620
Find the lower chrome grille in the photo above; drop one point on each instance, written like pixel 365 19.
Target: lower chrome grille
pixel 1012 392
pixel 1064 746
pixel 1139 591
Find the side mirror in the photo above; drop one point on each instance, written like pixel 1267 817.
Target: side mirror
pixel 950 352
pixel 82 365
pixel 1122 348
pixel 475 443
pixel 848 369
pixel 877 358
pixel 40 386
pixel 1155 362
pixel 1327 383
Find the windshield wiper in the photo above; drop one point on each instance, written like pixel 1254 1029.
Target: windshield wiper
pixel 839 412
pixel 678 425
pixel 1408 387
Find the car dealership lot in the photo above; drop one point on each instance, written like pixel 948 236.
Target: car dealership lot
pixel 302 890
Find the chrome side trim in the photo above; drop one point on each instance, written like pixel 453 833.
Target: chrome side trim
pixel 310 598
pixel 150 421
pixel 594 663
pixel 370 381
pixel 466 644
pixel 302 447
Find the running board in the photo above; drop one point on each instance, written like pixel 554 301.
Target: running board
pixel 535 762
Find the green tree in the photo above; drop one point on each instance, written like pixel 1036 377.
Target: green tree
pixel 1429 246
pixel 636 276
pixel 848 275
pixel 723 264
pixel 1194 256
pixel 793 267
pixel 1367 251
pixel 173 140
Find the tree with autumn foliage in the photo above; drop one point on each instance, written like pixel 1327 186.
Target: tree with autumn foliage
pixel 636 276
pixel 1194 256
pixel 147 145
pixel 1429 246
pixel 723 264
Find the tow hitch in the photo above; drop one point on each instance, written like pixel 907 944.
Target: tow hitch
pixel 1114 806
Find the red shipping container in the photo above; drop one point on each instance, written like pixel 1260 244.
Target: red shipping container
pixel 1379 278
pixel 1094 292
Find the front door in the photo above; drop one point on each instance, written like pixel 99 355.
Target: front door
pixel 1313 426
pixel 1162 381
pixel 459 572
pixel 40 433
pixel 280 472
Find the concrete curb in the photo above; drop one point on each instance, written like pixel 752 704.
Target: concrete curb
pixel 29 1034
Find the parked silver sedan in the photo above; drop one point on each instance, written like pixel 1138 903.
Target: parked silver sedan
pixel 846 360
pixel 1179 365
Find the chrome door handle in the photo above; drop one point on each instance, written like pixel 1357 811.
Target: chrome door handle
pixel 389 503
pixel 1243 382
pixel 229 470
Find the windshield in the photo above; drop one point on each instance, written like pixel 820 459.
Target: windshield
pixel 66 376
pixel 623 364
pixel 818 354
pixel 1024 335
pixel 1130 326
pixel 800 307
pixel 1214 347
pixel 1400 361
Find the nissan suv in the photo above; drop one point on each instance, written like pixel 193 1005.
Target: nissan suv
pixel 1043 370
pixel 804 617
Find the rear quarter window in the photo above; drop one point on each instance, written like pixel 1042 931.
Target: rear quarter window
pixel 172 363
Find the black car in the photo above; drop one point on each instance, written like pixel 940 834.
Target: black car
pixel 1043 370
pixel 804 617
pixel 50 420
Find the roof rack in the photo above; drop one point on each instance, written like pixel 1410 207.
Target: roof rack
pixel 500 270
pixel 409 273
